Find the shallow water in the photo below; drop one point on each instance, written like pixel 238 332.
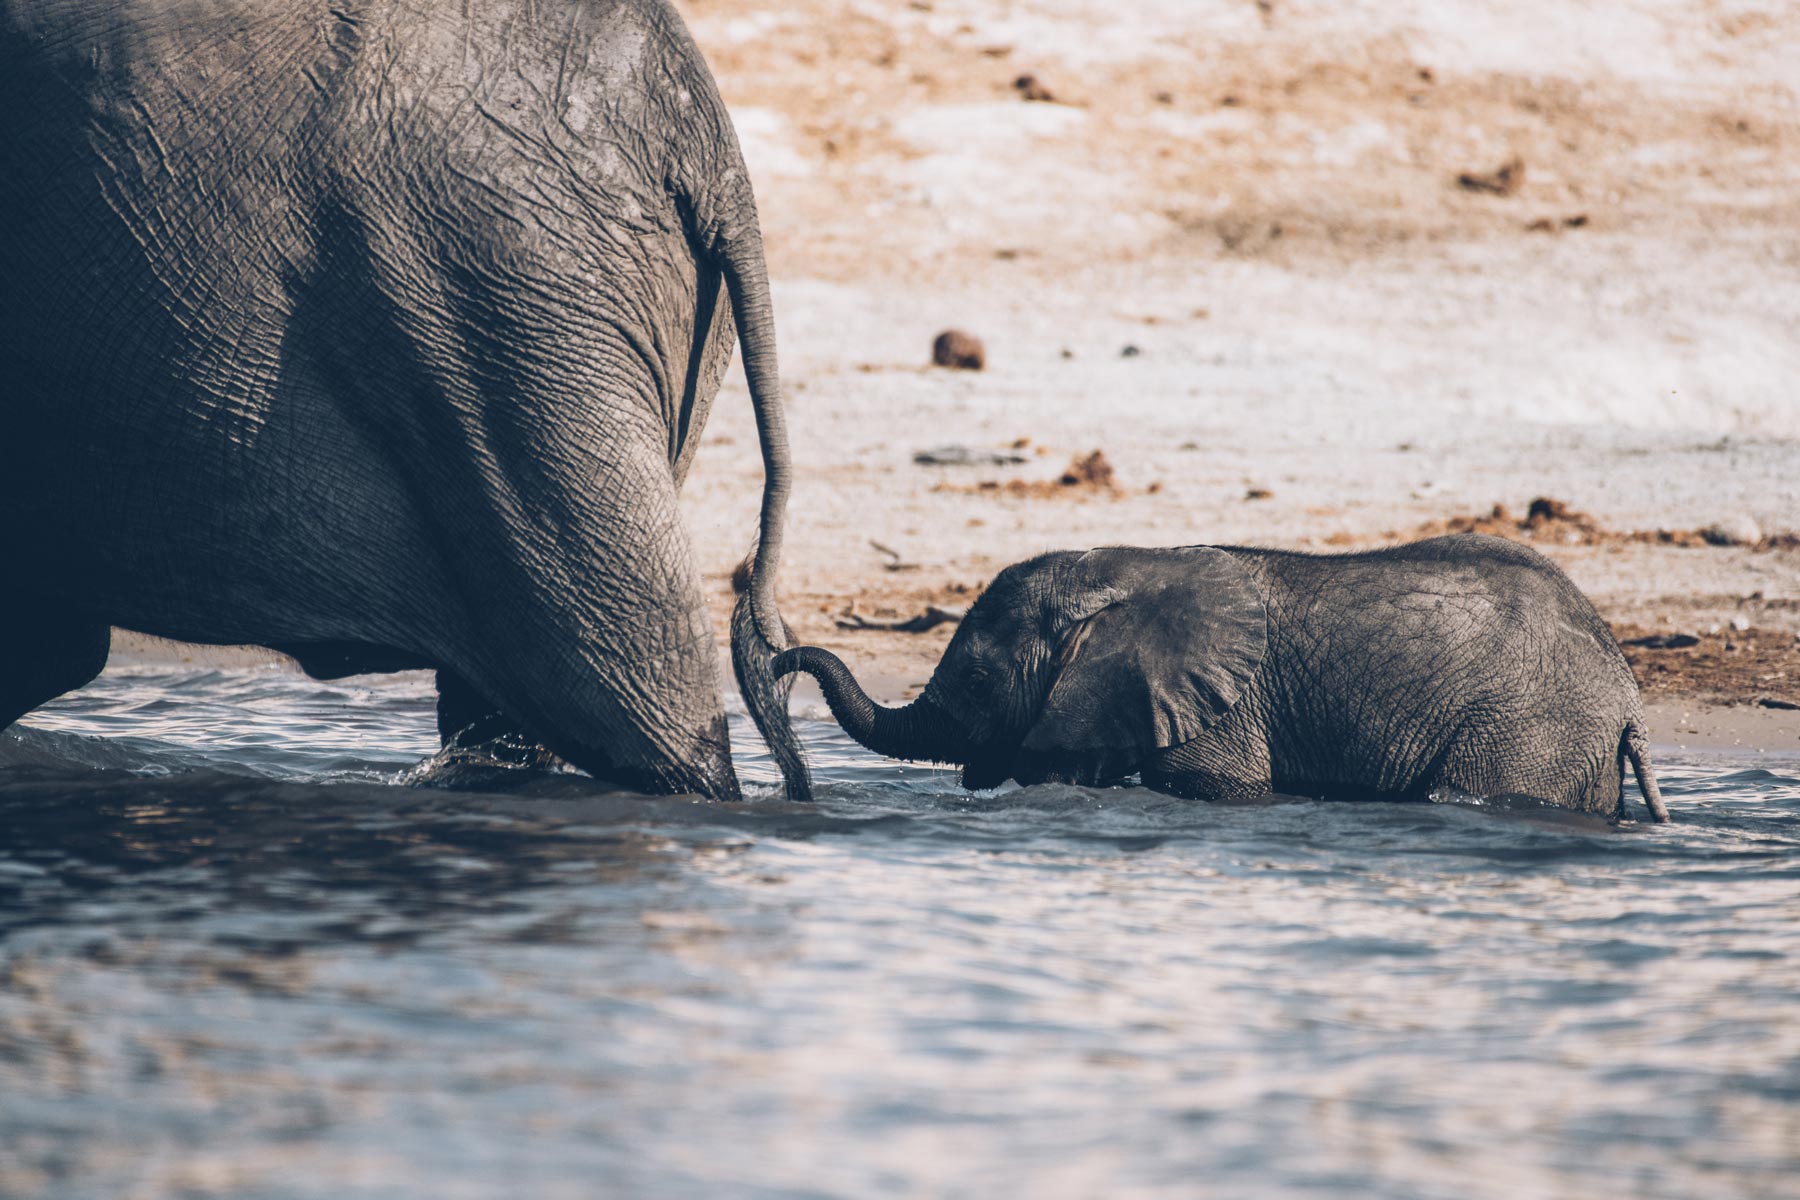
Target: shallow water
pixel 238 957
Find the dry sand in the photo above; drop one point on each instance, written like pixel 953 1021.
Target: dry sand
pixel 1333 341
pixel 1233 251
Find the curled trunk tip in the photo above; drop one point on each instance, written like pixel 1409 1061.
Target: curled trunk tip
pixel 919 731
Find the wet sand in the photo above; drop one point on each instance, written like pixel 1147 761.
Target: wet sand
pixel 1687 725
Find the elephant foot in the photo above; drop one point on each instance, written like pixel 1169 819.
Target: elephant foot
pixel 470 726
pixel 473 730
pixel 703 769
pixel 44 652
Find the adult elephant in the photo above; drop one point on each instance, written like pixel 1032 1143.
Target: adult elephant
pixel 382 334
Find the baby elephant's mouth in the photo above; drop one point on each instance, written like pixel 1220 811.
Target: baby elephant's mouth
pixel 988 767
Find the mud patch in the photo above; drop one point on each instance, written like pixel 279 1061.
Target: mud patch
pixel 1755 667
pixel 1087 476
pixel 1548 520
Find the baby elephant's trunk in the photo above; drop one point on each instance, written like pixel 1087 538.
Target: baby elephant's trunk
pixel 920 731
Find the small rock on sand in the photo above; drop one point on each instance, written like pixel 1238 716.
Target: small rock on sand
pixel 1503 180
pixel 933 616
pixel 967 456
pixel 1664 641
pixel 1089 470
pixel 1739 529
pixel 959 350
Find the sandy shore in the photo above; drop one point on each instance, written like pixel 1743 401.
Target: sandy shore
pixel 1236 252
pixel 1315 276
pixel 1737 729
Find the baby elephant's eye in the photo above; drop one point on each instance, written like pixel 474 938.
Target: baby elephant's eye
pixel 979 676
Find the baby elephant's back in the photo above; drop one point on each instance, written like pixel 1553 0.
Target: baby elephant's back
pixel 1465 605
pixel 1398 661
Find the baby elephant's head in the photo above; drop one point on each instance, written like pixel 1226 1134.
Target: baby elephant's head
pixel 1112 653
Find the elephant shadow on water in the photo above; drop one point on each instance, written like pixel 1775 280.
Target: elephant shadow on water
pixel 1462 664
pixel 384 336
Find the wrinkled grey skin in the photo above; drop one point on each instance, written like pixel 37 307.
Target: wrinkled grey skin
pixel 1225 672
pixel 382 334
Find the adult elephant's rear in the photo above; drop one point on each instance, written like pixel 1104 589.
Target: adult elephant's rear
pixel 382 334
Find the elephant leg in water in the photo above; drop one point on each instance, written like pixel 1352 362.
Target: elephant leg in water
pixel 45 650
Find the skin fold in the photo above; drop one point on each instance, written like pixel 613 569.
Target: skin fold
pixel 383 334
pixel 1219 673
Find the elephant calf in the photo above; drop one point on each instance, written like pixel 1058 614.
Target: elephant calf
pixel 1225 672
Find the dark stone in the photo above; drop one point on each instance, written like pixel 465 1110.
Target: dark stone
pixel 1664 641
pixel 959 350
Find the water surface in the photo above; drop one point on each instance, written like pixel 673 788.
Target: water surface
pixel 245 951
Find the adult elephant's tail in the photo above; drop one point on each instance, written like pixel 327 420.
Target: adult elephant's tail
pixel 757 631
pixel 1635 745
pixel 766 697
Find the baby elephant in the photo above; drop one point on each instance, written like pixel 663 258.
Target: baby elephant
pixel 1222 672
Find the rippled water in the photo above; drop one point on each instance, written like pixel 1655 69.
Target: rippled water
pixel 239 956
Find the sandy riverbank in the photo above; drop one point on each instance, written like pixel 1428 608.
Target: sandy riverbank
pixel 1233 252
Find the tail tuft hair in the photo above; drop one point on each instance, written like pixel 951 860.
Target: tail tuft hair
pixel 765 696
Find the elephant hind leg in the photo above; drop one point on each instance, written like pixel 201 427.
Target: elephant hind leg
pixel 1565 763
pixel 470 721
pixel 44 652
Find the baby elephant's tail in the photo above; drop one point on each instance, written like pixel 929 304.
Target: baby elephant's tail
pixel 1635 745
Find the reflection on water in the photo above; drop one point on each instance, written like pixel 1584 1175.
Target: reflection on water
pixel 237 958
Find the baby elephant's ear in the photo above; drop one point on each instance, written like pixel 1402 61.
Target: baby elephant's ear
pixel 1170 641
